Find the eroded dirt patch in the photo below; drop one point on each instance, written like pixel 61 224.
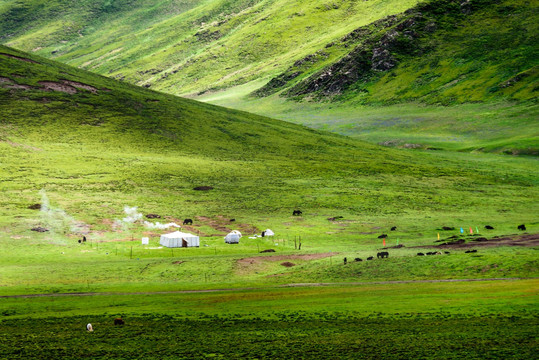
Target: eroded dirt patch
pixel 528 240
pixel 260 263
pixel 19 58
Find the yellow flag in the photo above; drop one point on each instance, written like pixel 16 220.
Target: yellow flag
pixel 438 236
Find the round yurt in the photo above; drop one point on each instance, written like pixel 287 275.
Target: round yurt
pixel 233 237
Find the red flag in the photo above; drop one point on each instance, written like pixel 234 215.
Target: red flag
pixel 471 231
pixel 384 242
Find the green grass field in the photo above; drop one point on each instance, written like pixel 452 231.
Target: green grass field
pixel 84 146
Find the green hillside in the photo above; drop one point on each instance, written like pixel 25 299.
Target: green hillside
pixel 184 47
pixel 93 145
pixel 437 52
pixel 457 75
pixel 77 148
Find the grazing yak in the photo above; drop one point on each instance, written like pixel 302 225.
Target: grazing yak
pixel 297 213
pixel 188 222
pixel 370 258
pixel 470 251
pixel 383 236
pixel 89 327
pixel 522 227
pixel 382 254
pixel 420 254
pixel 119 321
pixel 358 259
pixel 232 220
pixel 393 228
pixel 488 227
pixel 448 228
pixel 345 261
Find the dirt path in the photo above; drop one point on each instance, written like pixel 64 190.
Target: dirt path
pixel 261 288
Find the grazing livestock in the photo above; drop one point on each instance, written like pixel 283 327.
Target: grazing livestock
pixel 84 239
pixel 263 233
pixel 488 227
pixel 420 254
pixel 446 252
pixel 383 236
pixel 358 259
pixel 522 227
pixel 297 213
pixel 393 228
pixel 345 261
pixel 431 253
pixel 382 254
pixel 188 222
pixel 80 241
pixel 470 251
pixel 268 251
pixel 370 258
pixel 448 228
pixel 232 220
pixel 119 321
pixel 89 327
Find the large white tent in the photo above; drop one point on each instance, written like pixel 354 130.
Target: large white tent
pixel 233 237
pixel 179 239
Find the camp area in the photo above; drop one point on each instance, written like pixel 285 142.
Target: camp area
pixel 179 239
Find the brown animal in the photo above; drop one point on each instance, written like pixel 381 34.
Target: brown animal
pixel 119 321
pixel 188 222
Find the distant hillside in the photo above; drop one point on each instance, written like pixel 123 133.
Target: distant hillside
pixel 94 145
pixel 185 47
pixel 443 51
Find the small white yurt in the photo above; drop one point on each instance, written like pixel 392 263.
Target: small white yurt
pixel 179 239
pixel 268 232
pixel 233 237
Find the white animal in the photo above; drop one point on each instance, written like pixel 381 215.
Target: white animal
pixel 89 327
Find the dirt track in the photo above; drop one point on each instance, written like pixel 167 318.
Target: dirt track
pixel 365 283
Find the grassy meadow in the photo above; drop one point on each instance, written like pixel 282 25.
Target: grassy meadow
pixel 83 147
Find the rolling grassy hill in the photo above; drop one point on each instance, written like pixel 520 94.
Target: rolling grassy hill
pixel 83 146
pixel 184 47
pixel 437 74
pixel 90 145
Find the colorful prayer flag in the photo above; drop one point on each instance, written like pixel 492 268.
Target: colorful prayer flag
pixel 476 230
pixel 438 236
pixel 461 230
pixel 384 242
pixel 471 231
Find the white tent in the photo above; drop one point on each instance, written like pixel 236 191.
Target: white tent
pixel 179 239
pixel 233 237
pixel 268 232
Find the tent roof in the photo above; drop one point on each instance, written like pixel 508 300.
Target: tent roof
pixel 177 234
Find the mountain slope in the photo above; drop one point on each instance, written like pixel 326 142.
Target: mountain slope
pixel 439 52
pixel 184 47
pixel 95 144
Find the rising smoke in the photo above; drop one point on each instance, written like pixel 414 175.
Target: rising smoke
pixel 133 216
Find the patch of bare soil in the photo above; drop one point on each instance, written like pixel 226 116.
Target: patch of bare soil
pixel 19 58
pixel 288 264
pixel 56 86
pixel 79 85
pixel 508 240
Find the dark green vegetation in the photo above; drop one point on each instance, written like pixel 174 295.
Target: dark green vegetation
pixel 458 320
pixel 165 337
